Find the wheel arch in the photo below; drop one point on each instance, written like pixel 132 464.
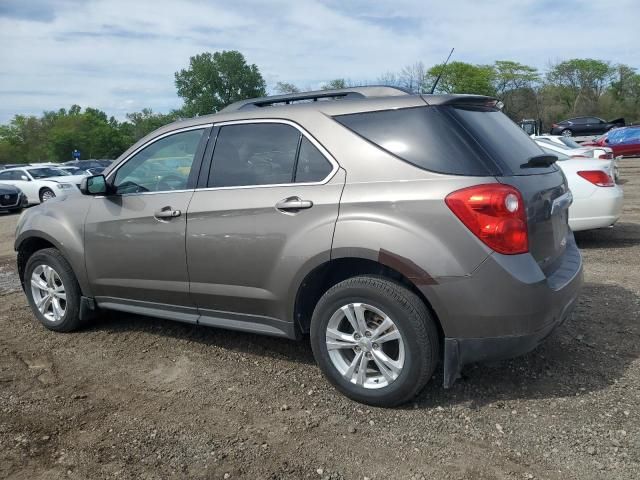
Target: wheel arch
pixel 28 244
pixel 335 270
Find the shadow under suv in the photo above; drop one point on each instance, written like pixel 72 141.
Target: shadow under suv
pixel 398 231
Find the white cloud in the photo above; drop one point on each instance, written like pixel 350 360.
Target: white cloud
pixel 120 55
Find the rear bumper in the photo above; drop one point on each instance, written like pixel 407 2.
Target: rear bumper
pixel 600 210
pixel 510 308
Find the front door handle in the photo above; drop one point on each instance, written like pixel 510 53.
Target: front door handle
pixel 293 204
pixel 166 213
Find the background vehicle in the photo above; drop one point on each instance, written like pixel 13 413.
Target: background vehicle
pixel 11 199
pixel 569 147
pixel 40 184
pixel 580 126
pixel 597 200
pixel 385 225
pixel 624 142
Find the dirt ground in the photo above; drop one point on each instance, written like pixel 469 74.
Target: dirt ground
pixel 133 397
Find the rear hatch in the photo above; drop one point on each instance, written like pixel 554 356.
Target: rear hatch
pixel 544 189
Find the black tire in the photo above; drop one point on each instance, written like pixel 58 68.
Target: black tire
pixel 567 132
pixel 44 191
pixel 53 258
pixel 412 319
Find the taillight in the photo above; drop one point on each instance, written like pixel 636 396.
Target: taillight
pixel 494 213
pixel 597 177
pixel 606 156
pixel 554 125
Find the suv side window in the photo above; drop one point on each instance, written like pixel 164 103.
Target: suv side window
pixel 164 165
pixel 254 154
pixel 312 165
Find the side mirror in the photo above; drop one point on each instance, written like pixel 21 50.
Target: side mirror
pixel 95 185
pixel 606 140
pixel 25 178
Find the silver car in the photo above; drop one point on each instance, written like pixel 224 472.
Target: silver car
pixel 399 231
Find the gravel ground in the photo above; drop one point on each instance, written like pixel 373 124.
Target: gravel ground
pixel 133 397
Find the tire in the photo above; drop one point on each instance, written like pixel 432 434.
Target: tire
pixel 53 259
pixel 411 319
pixel 567 132
pixel 46 194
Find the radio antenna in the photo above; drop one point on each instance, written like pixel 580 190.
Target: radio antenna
pixel 444 66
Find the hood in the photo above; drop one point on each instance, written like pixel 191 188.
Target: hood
pixel 8 189
pixel 75 179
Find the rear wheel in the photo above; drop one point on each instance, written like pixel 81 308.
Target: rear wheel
pixel 567 132
pixel 374 340
pixel 52 290
pixel 46 194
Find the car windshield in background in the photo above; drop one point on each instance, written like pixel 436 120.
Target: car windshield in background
pixel 561 156
pixel 570 142
pixel 47 172
pixel 74 171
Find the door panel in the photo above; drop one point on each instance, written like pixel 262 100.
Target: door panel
pixel 244 253
pixel 131 254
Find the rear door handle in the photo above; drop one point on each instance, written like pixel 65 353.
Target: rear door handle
pixel 293 204
pixel 166 213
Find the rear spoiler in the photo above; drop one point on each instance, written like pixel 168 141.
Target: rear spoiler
pixel 469 100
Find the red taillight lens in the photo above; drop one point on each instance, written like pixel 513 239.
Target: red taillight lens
pixel 554 125
pixel 494 213
pixel 606 156
pixel 597 177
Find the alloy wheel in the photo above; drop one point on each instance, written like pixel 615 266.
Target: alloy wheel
pixel 365 345
pixel 48 293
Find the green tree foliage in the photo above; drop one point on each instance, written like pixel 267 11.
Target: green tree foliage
pixel 213 81
pixel 284 87
pixel 461 77
pixel 335 84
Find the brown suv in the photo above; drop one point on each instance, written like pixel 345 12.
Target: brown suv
pixel 397 230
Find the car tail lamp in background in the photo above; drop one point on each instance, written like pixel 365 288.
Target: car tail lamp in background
pixel 494 213
pixel 554 125
pixel 597 177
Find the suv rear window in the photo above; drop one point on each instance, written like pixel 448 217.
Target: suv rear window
pixel 456 140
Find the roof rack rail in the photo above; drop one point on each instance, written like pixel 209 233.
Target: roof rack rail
pixel 314 96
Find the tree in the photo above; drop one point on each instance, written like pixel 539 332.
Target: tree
pixel 516 85
pixel 413 77
pixel 141 123
pixel 213 81
pixel 284 87
pixel 334 84
pixel 461 77
pixel 580 82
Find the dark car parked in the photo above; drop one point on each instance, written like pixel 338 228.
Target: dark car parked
pixel 11 199
pixel 584 126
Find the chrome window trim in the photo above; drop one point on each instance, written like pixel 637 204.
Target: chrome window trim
pixel 325 153
pixel 113 172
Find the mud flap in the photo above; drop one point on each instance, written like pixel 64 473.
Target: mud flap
pixel 452 365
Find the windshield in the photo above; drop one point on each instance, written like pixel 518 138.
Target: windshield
pixel 561 156
pixel 47 172
pixel 570 142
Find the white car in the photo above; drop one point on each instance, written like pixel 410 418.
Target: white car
pixel 597 200
pixel 558 145
pixel 41 183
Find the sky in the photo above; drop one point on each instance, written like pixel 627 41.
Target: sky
pixel 121 55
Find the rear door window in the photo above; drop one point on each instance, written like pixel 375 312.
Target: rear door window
pixel 254 154
pixel 312 165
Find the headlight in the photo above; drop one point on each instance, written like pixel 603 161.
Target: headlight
pixel 64 186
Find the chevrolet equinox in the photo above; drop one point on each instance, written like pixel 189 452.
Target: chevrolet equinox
pixel 398 231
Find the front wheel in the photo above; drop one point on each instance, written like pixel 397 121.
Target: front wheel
pixel 46 194
pixel 374 340
pixel 567 132
pixel 52 290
